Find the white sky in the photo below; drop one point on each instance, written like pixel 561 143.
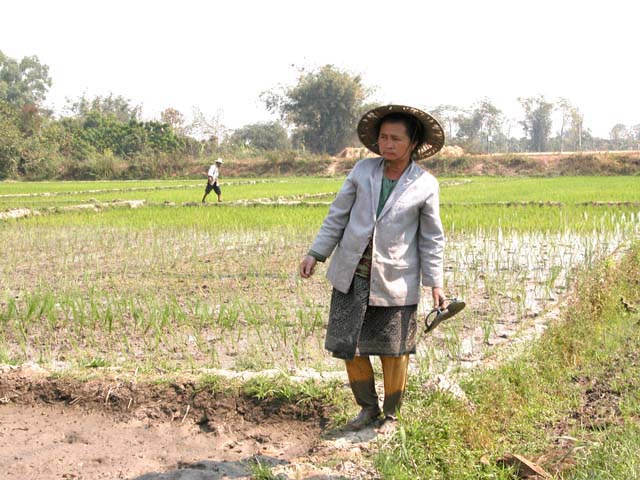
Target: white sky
pixel 220 56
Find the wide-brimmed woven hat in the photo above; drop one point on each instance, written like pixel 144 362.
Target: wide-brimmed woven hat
pixel 370 121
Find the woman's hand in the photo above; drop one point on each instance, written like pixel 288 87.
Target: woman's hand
pixel 307 266
pixel 438 297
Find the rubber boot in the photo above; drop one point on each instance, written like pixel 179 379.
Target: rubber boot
pixel 361 380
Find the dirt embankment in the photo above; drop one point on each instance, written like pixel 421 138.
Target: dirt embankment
pixel 58 427
pixel 512 164
pixel 553 164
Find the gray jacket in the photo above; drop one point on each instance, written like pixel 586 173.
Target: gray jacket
pixel 408 240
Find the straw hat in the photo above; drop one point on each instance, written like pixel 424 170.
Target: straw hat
pixel 219 160
pixel 370 122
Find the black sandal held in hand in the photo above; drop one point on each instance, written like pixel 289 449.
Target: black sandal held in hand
pixel 448 309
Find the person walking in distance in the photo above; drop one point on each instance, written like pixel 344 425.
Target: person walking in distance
pixel 212 180
pixel 386 239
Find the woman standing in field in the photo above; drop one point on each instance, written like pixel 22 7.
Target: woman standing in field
pixel 387 234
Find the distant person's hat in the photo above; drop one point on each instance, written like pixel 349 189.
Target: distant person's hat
pixel 219 160
pixel 369 126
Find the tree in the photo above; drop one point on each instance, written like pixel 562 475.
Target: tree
pixel 324 107
pixel 25 143
pixel 567 111
pixel 620 136
pixel 577 135
pixel 98 133
pixel 174 119
pixel 635 136
pixel 118 107
pixel 480 130
pixel 10 141
pixel 262 136
pixel 24 82
pixel 537 121
pixel 448 116
pixel 511 142
pixel 210 130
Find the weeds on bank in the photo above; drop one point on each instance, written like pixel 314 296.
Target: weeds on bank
pixel 261 470
pixel 529 404
pixel 306 393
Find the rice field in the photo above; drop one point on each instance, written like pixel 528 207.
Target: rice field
pixel 176 286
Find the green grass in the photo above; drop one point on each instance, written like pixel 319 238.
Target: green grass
pixel 260 470
pixel 158 192
pixel 13 188
pixel 614 457
pixel 474 190
pixel 524 405
pixel 558 189
pixel 193 286
pixel 213 219
pixel 551 219
pixel 456 219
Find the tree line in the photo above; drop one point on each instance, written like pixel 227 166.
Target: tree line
pixel 105 137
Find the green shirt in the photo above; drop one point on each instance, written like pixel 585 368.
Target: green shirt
pixel 385 192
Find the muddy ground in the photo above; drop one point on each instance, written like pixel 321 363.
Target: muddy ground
pixel 56 427
pixel 62 428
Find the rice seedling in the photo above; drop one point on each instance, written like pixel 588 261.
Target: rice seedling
pixel 190 287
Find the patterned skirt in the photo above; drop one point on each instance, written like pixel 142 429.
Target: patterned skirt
pixel 357 328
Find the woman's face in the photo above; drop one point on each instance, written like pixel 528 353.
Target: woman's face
pixel 395 145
